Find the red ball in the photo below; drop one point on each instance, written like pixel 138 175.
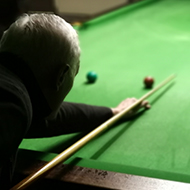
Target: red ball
pixel 148 82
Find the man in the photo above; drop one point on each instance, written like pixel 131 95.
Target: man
pixel 39 59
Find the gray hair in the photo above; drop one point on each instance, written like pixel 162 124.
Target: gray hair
pixel 42 39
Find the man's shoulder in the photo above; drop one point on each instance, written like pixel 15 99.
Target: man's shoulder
pixel 13 90
pixel 10 82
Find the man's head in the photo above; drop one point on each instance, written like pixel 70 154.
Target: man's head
pixel 50 47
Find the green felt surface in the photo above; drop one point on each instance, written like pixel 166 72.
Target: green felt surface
pixel 147 38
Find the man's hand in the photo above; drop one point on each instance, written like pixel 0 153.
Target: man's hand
pixel 128 102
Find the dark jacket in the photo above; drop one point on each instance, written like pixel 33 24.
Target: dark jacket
pixel 23 109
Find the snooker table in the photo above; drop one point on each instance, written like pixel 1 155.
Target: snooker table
pixel 152 150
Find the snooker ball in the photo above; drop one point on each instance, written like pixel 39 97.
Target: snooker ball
pixel 148 82
pixel 76 24
pixel 91 77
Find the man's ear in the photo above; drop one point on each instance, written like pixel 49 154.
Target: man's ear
pixel 61 75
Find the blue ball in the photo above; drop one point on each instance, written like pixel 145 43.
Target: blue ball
pixel 91 76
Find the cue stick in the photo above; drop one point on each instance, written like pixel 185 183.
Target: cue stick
pixel 76 146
